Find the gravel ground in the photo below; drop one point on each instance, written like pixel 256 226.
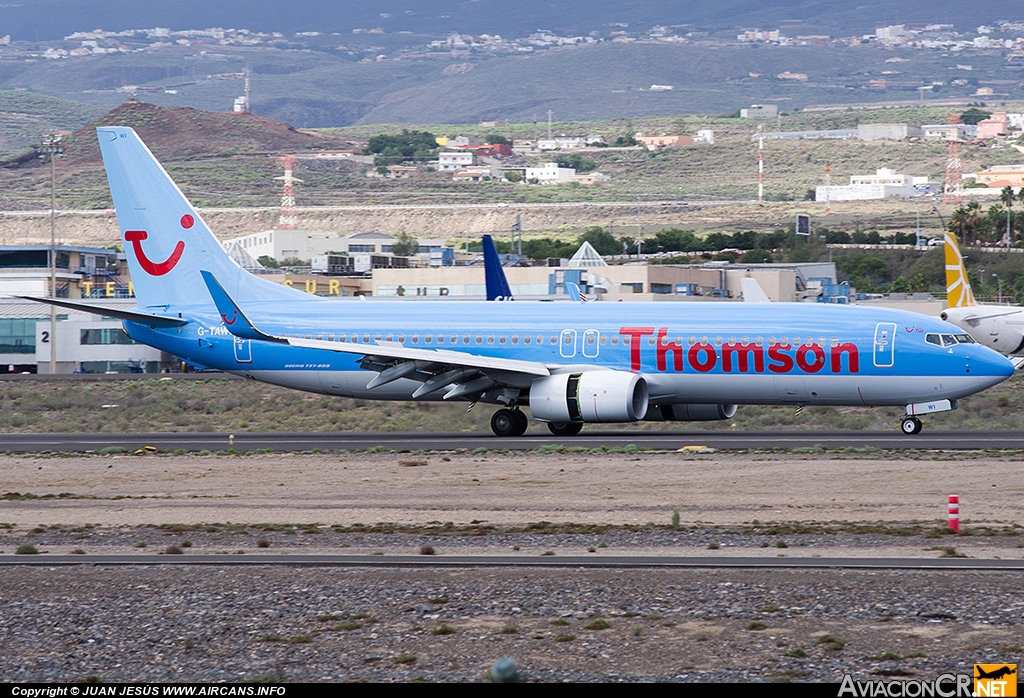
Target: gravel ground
pixel 190 624
pixel 319 624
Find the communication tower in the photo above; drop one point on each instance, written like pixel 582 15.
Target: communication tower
pixel 287 220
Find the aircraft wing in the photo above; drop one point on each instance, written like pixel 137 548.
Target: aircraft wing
pixel 461 373
pixel 975 317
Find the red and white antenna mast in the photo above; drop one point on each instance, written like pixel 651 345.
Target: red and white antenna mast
pixel 287 221
pixel 760 164
pixel 953 192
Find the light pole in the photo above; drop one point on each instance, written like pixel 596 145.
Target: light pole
pixel 1000 282
pixel 51 145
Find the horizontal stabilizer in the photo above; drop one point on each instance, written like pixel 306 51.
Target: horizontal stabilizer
pixel 120 314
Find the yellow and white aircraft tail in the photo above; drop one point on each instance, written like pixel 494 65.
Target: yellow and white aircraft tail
pixel 958 287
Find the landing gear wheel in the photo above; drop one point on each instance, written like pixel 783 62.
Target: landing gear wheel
pixel 565 428
pixel 522 423
pixel 504 423
pixel 911 425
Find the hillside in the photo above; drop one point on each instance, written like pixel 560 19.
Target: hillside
pixel 24 116
pixel 221 159
pixel 43 20
pixel 222 154
pixel 327 87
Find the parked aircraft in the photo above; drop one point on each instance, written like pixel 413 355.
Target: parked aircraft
pixel 494 276
pixel 1000 327
pixel 570 363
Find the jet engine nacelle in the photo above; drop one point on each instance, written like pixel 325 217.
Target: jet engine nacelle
pixel 590 396
pixel 999 331
pixel 690 413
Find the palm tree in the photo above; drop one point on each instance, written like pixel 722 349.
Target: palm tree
pixel 964 222
pixel 1006 196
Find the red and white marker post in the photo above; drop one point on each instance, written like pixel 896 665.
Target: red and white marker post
pixel 954 512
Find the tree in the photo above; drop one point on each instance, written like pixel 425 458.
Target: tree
pixel 405 245
pixel 514 176
pixel 757 256
pixel 408 145
pixel 1006 196
pixel 497 139
pixel 973 115
pixel 601 240
pixel 964 222
pixel 576 162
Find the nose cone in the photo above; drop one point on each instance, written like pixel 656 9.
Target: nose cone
pixel 990 367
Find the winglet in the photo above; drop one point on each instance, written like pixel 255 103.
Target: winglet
pixel 574 292
pixel 494 275
pixel 231 315
pixel 958 286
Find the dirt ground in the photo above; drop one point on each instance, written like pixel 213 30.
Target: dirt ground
pixel 514 489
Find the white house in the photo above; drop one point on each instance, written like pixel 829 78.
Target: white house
pixel 454 161
pixel 883 184
pixel 549 173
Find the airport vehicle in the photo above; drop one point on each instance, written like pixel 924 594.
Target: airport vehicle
pixel 1000 327
pixel 570 363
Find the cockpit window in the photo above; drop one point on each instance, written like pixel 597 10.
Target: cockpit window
pixel 949 340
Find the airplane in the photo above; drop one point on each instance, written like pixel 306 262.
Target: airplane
pixel 570 364
pixel 999 327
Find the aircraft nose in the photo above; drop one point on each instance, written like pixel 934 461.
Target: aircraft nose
pixel 991 368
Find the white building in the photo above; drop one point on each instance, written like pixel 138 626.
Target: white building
pixel 759 111
pixel 96 346
pixel 285 244
pixel 454 161
pixel 549 173
pixel 883 184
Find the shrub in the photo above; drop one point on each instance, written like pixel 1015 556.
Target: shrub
pixel 26 549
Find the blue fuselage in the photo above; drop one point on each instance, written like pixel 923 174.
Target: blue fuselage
pixel 739 353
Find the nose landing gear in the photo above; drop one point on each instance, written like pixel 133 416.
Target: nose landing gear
pixel 911 425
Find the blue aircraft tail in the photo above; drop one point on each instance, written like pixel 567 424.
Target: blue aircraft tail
pixel 494 275
pixel 166 241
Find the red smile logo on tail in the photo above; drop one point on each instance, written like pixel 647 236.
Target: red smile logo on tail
pixel 149 266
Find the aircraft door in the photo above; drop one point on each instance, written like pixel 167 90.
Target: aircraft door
pixel 567 344
pixel 591 342
pixel 243 350
pixel 885 339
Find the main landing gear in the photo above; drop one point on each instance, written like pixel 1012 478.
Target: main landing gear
pixel 509 422
pixel 911 425
pixel 565 428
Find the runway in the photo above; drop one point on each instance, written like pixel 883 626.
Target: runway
pixel 519 562
pixel 400 441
